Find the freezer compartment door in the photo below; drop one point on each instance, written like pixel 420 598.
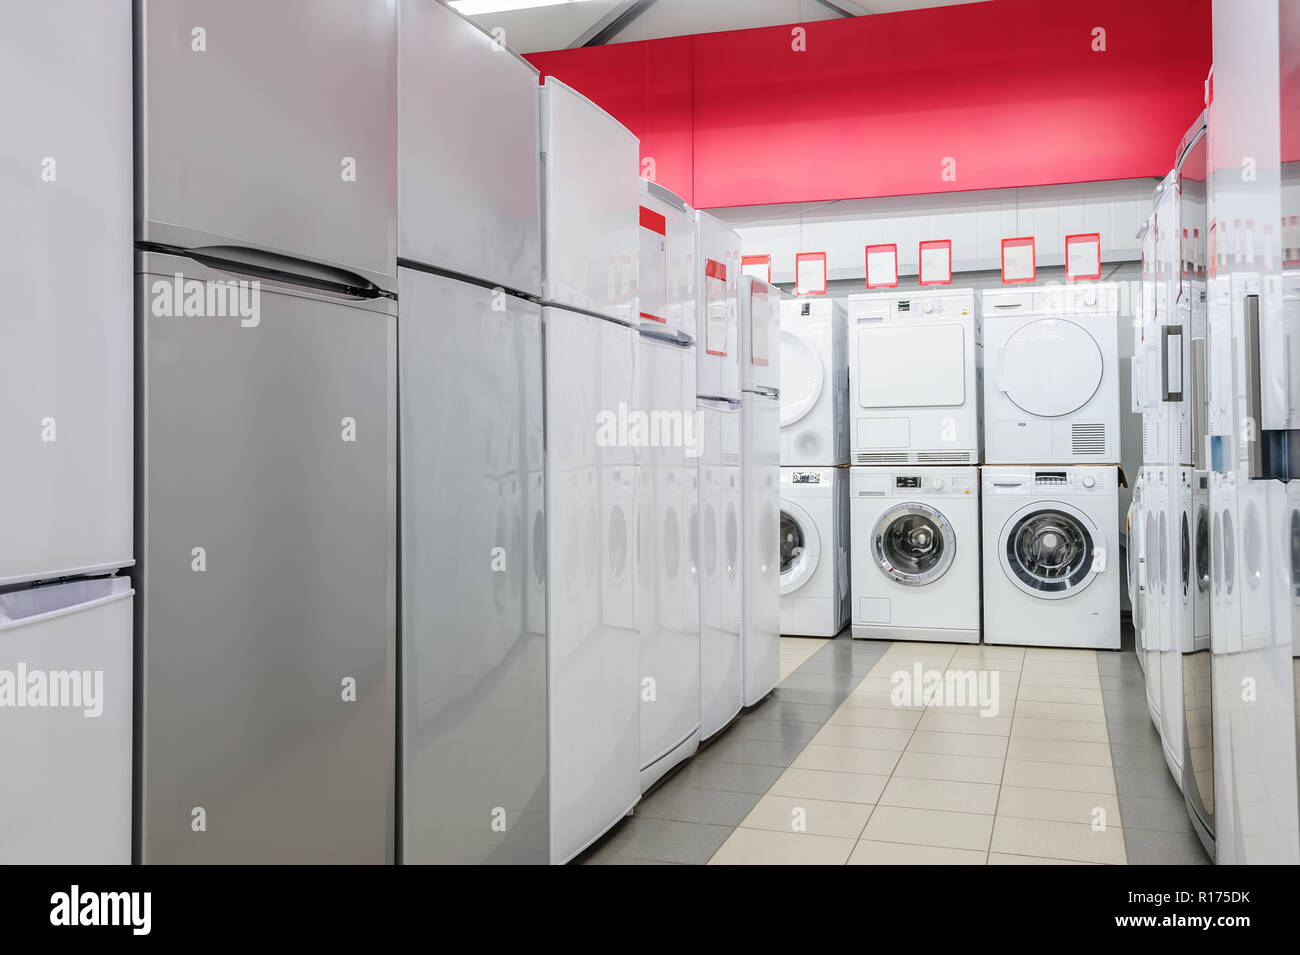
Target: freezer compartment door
pixel 65 254
pixel 268 546
pixel 65 723
pixel 469 198
pixel 474 676
pixel 590 201
pixel 271 125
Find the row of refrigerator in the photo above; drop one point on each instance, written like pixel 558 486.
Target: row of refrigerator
pixel 400 504
pixel 1214 529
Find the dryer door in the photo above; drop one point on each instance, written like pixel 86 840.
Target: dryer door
pixel 800 547
pixel 802 377
pixel 1049 367
pixel 913 544
pixel 1050 549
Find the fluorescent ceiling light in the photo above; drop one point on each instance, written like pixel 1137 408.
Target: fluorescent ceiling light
pixel 473 8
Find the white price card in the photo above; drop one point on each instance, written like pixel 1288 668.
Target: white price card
pixel 759 266
pixel 810 273
pixel 715 308
pixel 1018 263
pixel 759 316
pixel 1083 256
pixel 882 266
pixel 935 262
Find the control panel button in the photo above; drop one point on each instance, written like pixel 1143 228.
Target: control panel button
pixel 1089 481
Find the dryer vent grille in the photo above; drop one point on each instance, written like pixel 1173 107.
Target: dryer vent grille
pixel 1088 439
pixel 944 457
pixel 880 457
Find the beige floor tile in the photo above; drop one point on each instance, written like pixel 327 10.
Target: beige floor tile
pixel 1059 694
pixel 1060 751
pixel 998 707
pixel 846 759
pixel 958 744
pixel 942 721
pixel 1001 858
pixel 892 717
pixel 898 853
pixel 821 817
pixel 1008 656
pixel 1032 666
pixel 1053 654
pixel 1034 728
pixel 863 737
pixel 875 684
pixel 1059 805
pixel 824 784
pixel 1089 681
pixel 876 700
pixel 929 827
pixel 1061 711
pixel 1058 840
pixel 944 794
pixel 1040 775
pixel 970 769
pixel 766 847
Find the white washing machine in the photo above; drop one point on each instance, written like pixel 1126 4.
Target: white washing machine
pixel 1225 599
pixel 916 564
pixel 915 368
pixel 814 551
pixel 814 383
pixel 1051 387
pixel 1049 533
pixel 1155 540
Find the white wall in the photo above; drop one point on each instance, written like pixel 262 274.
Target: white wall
pixel 976 222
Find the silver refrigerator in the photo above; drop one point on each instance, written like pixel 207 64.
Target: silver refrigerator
pixel 266 319
pixel 66 431
pixel 473 734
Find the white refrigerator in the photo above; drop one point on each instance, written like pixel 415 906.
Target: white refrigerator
pixel 66 678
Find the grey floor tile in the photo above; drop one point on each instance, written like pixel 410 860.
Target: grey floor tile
pixel 1131 730
pixel 1146 755
pixel 831 682
pixel 730 777
pixel 819 697
pixel 1144 812
pixel 788 731
pixel 847 666
pixel 761 751
pixel 686 804
pixel 665 840
pixel 774 709
pixel 1154 847
pixel 1151 783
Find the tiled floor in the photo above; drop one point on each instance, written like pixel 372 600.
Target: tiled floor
pixel 831 770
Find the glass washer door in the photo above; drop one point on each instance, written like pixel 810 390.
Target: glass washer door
pixel 800 547
pixel 913 544
pixel 1047 549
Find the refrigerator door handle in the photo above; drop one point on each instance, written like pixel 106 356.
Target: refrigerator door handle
pixel 288 269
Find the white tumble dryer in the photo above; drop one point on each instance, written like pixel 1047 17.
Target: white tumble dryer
pixel 814 551
pixel 1051 383
pixel 1049 534
pixel 915 368
pixel 814 383
pixel 760 486
pixel 916 563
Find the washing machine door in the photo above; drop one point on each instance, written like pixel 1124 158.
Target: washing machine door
pixel 800 547
pixel 1049 367
pixel 1049 549
pixel 1185 556
pixel 913 544
pixel 802 377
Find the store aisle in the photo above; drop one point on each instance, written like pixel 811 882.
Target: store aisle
pixel 828 770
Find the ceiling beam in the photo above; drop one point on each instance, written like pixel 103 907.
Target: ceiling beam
pixel 608 26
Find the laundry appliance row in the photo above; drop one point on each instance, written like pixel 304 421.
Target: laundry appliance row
pixel 984 440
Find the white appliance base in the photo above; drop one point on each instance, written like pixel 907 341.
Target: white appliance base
pixel 929 634
pixel 660 768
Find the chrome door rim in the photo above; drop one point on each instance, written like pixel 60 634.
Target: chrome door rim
pixel 947 538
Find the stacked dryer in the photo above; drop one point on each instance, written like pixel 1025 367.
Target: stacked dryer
pixel 915 366
pixel 814 517
pixel 1050 485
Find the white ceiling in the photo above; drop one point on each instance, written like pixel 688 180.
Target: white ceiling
pixel 569 24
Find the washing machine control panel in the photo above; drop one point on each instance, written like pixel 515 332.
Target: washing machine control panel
pixel 806 477
pixel 931 484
